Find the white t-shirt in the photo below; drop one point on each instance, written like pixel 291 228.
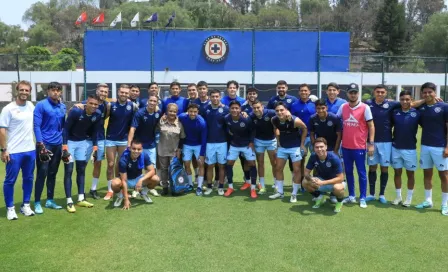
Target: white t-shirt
pixel 18 121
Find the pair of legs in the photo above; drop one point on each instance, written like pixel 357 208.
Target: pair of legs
pixel 164 163
pixel 270 146
pixel 189 153
pixel 381 156
pixel 404 158
pixel 249 156
pixel 96 165
pixel 147 184
pixel 46 174
pixel 336 190
pixel 216 161
pixel 114 150
pixel 357 157
pixel 283 154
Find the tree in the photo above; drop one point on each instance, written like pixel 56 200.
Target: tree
pixel 432 41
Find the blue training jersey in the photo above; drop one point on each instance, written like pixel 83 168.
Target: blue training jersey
pixel 195 131
pixel 226 100
pixel 288 100
pixel 289 135
pixel 179 101
pixel 334 107
pixel 131 167
pixel 102 108
pixel 216 125
pixel 144 102
pixel 79 124
pixel 120 121
pixel 264 130
pixel 405 125
pixel 241 133
pixel 247 108
pixel 326 169
pixel 202 105
pixel 433 119
pixel 49 121
pixel 327 128
pixel 304 110
pixel 145 124
pixel 382 119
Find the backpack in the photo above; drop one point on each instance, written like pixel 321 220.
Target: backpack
pixel 178 177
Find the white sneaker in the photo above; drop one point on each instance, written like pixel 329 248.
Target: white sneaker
pixel 154 192
pixel 11 214
pixel 208 191
pixel 146 198
pixel 293 199
pixel 26 210
pixel 220 191
pixel 276 195
pixel 397 201
pixel 135 194
pixel 407 203
pixel 349 199
pixel 118 201
pixel 333 199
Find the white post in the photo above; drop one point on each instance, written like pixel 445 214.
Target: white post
pixel 397 95
pixel 33 91
pixel 360 91
pixel 438 90
pixel 73 92
pixel 114 90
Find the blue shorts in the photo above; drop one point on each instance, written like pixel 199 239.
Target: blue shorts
pixel 110 143
pixel 189 150
pixel 404 158
pixel 216 153
pixel 431 156
pixel 292 152
pixel 152 154
pixel 265 145
pixel 246 151
pixel 381 155
pixel 101 148
pixel 78 150
pixel 132 182
pixel 329 187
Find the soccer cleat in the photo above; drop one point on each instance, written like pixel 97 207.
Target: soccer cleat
pixel 154 192
pixel 444 210
pixel 333 199
pixel 424 205
pixel 220 191
pixel 208 191
pixel 253 194
pixel 362 203
pixel 229 192
pixel 38 208
pixel 50 204
pixel 147 199
pixel 260 186
pixel 273 186
pixel 293 199
pixel 349 199
pixel 276 195
pixel 26 210
pixel 338 207
pixel 94 194
pixel 245 186
pixel 109 196
pixel 397 201
pixel 199 191
pixel 406 203
pixel 370 198
pixel 135 194
pixel 382 200
pixel 11 214
pixel 84 203
pixel 319 202
pixel 118 201
pixel 71 207
pixel 262 191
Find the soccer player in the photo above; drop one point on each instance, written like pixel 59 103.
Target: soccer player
pixel 49 121
pixel 357 126
pixel 264 139
pixel 326 125
pixel 288 100
pixel 434 149
pixel 232 89
pixel 194 143
pixel 192 92
pixel 333 101
pixel 153 89
pixel 175 98
pixel 78 126
pixel 251 97
pixel 329 178
pixel 216 149
pixel 289 146
pixel 404 143
pixel 134 94
pixel 18 152
pixel 120 115
pixel 241 142
pixel 203 101
pixel 131 164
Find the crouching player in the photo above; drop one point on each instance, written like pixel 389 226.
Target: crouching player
pixel 131 166
pixel 329 175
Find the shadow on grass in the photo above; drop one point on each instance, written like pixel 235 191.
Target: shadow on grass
pixel 307 210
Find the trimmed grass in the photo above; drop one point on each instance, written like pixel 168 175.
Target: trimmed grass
pixel 190 233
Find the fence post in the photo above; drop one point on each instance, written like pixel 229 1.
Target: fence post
pixel 152 55
pixel 446 71
pixel 18 68
pixel 253 57
pixel 319 87
pixel 382 68
pixel 84 62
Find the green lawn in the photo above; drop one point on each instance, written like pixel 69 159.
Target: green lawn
pixel 191 233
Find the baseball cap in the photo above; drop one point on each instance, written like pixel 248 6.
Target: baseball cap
pixel 353 87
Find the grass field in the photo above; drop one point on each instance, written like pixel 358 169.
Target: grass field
pixel 191 233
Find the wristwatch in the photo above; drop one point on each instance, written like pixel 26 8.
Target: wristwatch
pixel 2 149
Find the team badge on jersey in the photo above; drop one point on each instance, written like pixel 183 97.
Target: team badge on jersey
pixel 255 121
pixel 93 118
pixel 437 109
pixel 157 115
pixel 413 114
pixel 386 106
pixel 145 118
pixel 328 164
pixel 130 165
pixel 81 117
pixel 128 107
pixel 288 100
pixel 266 118
pixel 242 124
pixel 220 110
pixel 329 123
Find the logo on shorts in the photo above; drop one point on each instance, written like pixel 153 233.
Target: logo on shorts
pixel 413 114
pixel 157 115
pixel 386 106
pixel 242 124
pixel 220 110
pixel 266 118
pixel 128 107
pixel 413 166
pixel 328 164
pixel 329 123
pixel 93 118
pixel 287 100
pixel 437 109
pixel 215 48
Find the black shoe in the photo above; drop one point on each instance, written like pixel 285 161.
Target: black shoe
pixel 94 194
pixel 165 191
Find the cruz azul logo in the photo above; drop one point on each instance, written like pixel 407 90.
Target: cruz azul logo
pixel 215 49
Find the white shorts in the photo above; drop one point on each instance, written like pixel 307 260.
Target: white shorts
pixel 382 154
pixel 189 150
pixel 431 156
pixel 265 145
pixel 110 143
pixel 152 154
pixel 234 153
pixel 216 153
pixel 406 158
pixel 293 152
pixel 78 150
pixel 101 148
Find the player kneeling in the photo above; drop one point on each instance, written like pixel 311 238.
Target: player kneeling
pixel 329 175
pixel 131 166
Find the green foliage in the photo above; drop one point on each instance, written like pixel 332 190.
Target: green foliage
pixel 38 58
pixel 433 39
pixel 366 96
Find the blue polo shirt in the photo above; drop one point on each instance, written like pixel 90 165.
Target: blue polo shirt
pixel 304 110
pixel 264 130
pixel 131 167
pixel 288 100
pixel 334 107
pixel 216 125
pixel 326 169
pixel 79 125
pixel 433 119
pixel 49 121
pixel 405 125
pixel 240 131
pixel 226 100
pixel 289 135
pixel 382 119
pixel 326 128
pixel 145 124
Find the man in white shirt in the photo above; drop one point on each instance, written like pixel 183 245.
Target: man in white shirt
pixel 18 152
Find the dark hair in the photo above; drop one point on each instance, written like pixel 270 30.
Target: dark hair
pixel 252 90
pixel 280 103
pixel 152 83
pixel 93 96
pixel 320 140
pixel 191 85
pixel 405 92
pixel 214 91
pixel 51 86
pixel 304 85
pixel 134 86
pixel 320 102
pixel 193 106
pixel 233 82
pixel 380 86
pixel 282 82
pixel 429 85
pixel 136 141
pixel 234 102
pixel 174 83
pixel 202 83
pixel 333 84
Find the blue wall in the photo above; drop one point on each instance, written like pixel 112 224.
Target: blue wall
pixel 181 50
